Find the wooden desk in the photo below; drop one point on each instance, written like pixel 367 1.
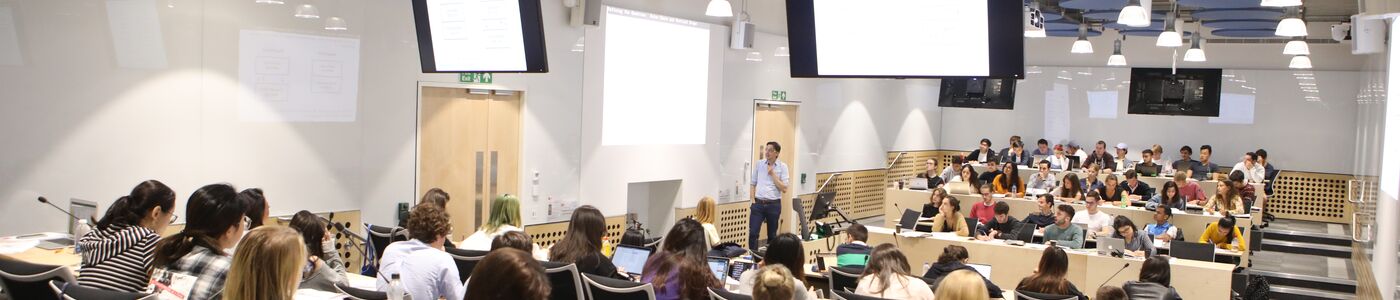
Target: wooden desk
pixel 1192 279
pixel 59 257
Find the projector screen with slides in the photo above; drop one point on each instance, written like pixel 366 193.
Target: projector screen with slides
pixel 656 79
pixel 905 38
pixel 499 36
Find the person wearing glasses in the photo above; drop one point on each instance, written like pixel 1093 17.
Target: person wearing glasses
pixel 216 222
pixel 117 255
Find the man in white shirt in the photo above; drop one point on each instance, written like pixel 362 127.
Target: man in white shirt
pixel 425 270
pixel 1100 223
pixel 1157 159
pixel 769 181
pixel 1253 172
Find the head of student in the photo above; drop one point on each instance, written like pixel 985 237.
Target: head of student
pixel 886 262
pixel 1069 185
pixel 968 174
pixel 786 250
pixel 514 240
pixel 953 253
pixel 771 151
pixel 1179 178
pixel 1109 292
pixel 682 258
pixel 256 203
pixel 856 232
pixel 505 210
pixel 1162 214
pixel 1185 152
pixel 313 232
pixel 150 204
pixel 1249 159
pixel 1170 193
pixel 1011 175
pixel 1001 211
pixel 1050 273
pixel 514 275
pixel 986 192
pixel 773 282
pixel 985 144
pixel 429 224
pixel 1100 147
pixel 267 265
pixel 1017 147
pixel 1131 178
pixel 1263 156
pixel 1043 167
pixel 1124 228
pixel 1226 227
pixel 1091 200
pixel 1064 214
pixel 950 206
pixel 930 165
pixel 1121 150
pixel 583 238
pixel 1045 202
pixel 1042 145
pixel 1093 175
pixel 705 210
pixel 962 284
pixel 936 197
pixel 1205 153
pixel 1147 157
pixel 215 220
pixel 435 196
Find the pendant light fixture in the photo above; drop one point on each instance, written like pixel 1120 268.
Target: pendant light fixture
pixel 1169 37
pixel 1117 59
pixel 1300 62
pixel 307 11
pixel 336 24
pixel 1195 54
pixel 719 8
pixel 781 51
pixel 1136 14
pixel 1296 47
pixel 1082 45
pixel 1292 24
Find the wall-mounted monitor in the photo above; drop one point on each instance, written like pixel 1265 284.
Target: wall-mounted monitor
pixel 1181 92
pixel 906 38
pixel 495 36
pixel 978 92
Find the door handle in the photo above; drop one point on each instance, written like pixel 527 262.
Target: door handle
pixel 1354 217
pixel 480 173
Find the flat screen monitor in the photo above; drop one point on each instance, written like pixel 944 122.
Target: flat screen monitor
pixel 905 38
pixel 978 92
pixel 631 259
pixel 909 219
pixel 1183 92
pixel 497 36
pixel 822 206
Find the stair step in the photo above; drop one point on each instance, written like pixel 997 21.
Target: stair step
pixel 1306 237
pixel 1318 283
pixel 1306 248
pixel 1298 293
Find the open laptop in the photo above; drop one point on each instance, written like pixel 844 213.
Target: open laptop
pixel 985 270
pixel 1025 233
pixel 719 266
pixel 1073 163
pixel 959 187
pixel 1108 245
pixel 918 184
pixel 1193 251
pixel 909 219
pixel 738 267
pixel 631 258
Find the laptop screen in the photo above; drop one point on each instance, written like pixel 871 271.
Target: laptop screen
pixel 719 266
pixel 909 219
pixel 739 267
pixel 631 259
pixel 985 270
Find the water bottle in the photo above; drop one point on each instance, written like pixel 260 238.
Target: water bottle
pixel 395 288
pixel 78 232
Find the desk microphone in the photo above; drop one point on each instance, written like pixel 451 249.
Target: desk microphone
pixel 347 232
pixel 46 201
pixel 1115 274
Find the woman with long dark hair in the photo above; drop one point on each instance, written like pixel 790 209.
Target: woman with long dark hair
pixel 117 256
pixel 1049 277
pixel 1070 189
pixel 256 202
pixel 1154 282
pixel 678 270
pixel 327 268
pixel 215 221
pixel 1170 196
pixel 1224 235
pixel 969 175
pixel 887 276
pixel 582 244
pixel 1009 182
pixel 786 251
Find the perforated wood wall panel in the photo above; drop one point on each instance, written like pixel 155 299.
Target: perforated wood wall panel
pixel 1311 196
pixel 868 194
pixel 348 248
pixel 732 221
pixel 910 164
pixel 547 234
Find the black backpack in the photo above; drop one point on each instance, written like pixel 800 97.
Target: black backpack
pixel 1258 289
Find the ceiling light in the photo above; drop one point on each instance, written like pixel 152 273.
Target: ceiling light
pixel 1082 45
pixel 1292 25
pixel 1280 3
pixel 1296 47
pixel 1195 54
pixel 754 56
pixel 336 24
pixel 1169 37
pixel 269 2
pixel 1300 62
pixel 1135 15
pixel 719 8
pixel 782 51
pixel 1117 59
pixel 307 11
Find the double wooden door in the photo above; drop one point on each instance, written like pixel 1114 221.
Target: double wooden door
pixel 469 146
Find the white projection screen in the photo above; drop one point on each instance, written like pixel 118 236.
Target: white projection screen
pixel 655 79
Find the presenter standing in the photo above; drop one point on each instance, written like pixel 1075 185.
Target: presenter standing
pixel 770 180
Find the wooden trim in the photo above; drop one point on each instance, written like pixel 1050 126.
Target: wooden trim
pixel 1366 287
pixel 546 234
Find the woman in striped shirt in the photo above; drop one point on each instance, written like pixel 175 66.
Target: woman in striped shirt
pixel 117 255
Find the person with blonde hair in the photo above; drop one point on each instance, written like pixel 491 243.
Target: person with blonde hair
pixel 505 216
pixel 705 212
pixel 961 285
pixel 773 282
pixel 267 265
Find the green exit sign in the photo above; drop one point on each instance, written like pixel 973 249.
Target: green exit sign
pixel 475 77
pixel 778 95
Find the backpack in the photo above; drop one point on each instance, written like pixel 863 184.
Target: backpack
pixel 1258 289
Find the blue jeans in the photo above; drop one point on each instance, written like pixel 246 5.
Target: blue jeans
pixel 760 214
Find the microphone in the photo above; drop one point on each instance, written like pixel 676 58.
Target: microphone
pixel 342 229
pixel 1115 274
pixel 46 201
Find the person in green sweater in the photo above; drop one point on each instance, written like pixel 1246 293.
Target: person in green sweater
pixel 854 253
pixel 1064 233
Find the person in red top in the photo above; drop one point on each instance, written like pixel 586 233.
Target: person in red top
pixel 983 210
pixel 1191 191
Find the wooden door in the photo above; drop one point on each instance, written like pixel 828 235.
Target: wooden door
pixel 778 123
pixel 469 147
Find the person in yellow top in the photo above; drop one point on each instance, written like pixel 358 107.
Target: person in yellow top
pixel 950 219
pixel 1226 199
pixel 1009 182
pixel 1224 235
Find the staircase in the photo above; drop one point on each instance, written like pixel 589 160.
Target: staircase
pixel 1306 260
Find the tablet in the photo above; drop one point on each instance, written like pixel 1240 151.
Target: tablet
pixel 719 266
pixel 631 258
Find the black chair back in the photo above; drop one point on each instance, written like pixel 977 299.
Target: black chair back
pixel 853 296
pixel 359 294
pixel 1193 251
pixel 1025 295
pixel 844 278
pixel 604 288
pixel 23 280
pixel 380 237
pixel 466 261
pixel 563 281
pixel 73 291
pixel 722 294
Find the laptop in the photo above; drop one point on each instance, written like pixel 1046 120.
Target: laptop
pixel 738 267
pixel 1192 251
pixel 1073 163
pixel 909 219
pixel 719 266
pixel 1025 233
pixel 918 184
pixel 959 187
pixel 1107 245
pixel 985 270
pixel 83 209
pixel 631 258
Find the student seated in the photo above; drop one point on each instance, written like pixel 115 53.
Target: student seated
pixel 1190 190
pixel 854 253
pixel 1016 155
pixel 1100 223
pixel 1063 232
pixel 267 265
pixel 1002 226
pixel 1070 189
pixel 1154 281
pixel 505 216
pixel 954 259
pixel 327 268
pixel 1162 228
pixel 983 153
pixel 678 270
pixel 949 219
pixel 887 276
pixel 967 174
pixel 1225 201
pixel 215 222
pixel 705 212
pixel 774 283
pixel 930 174
pixel 519 241
pixel 438 197
pixel 1224 235
pixel 1049 277
pixel 783 251
pixel 993 170
pixel 930 209
pixel 1046 215
pixel 424 268
pixel 951 171
pixel 1042 179
pixel 256 203
pixel 982 210
pixel 1148 167
pixel 582 244
pixel 1137 190
pixel 1169 196
pixel 1136 242
pixel 1112 191
pixel 1009 182
pixel 1246 191
pixel 1205 170
pixel 1109 292
pixel 1091 181
pixel 1121 155
pixel 963 284
pixel 514 275
pixel 1060 161
pixel 116 256
pixel 1186 165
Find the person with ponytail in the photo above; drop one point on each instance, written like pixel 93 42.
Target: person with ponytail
pixel 215 221
pixel 117 255
pixel 256 202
